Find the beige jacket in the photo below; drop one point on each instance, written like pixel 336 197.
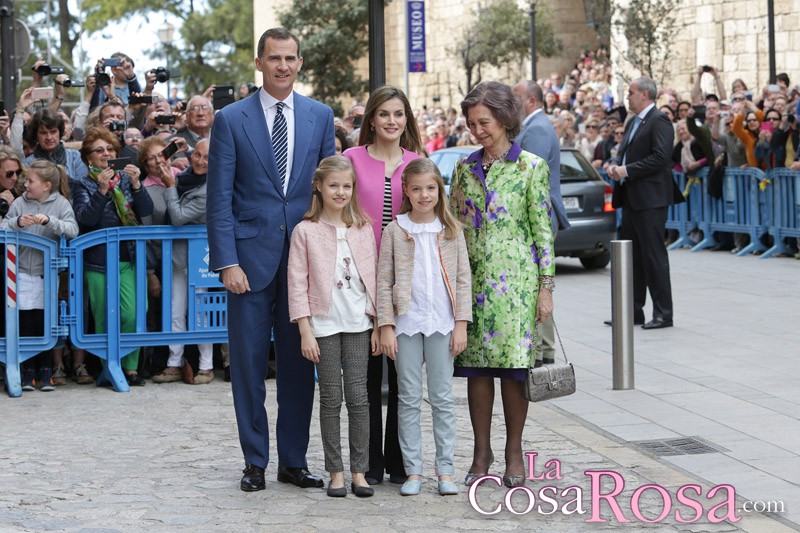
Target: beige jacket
pixel 396 267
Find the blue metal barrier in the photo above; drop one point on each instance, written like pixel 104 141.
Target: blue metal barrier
pixel 743 208
pixel 207 311
pixel 686 217
pixel 785 210
pixel 13 348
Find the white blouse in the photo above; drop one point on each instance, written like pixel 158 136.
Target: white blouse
pixel 348 311
pixel 430 311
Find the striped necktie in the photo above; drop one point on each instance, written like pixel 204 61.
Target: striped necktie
pixel 280 142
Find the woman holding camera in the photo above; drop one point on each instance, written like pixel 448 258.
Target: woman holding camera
pixel 108 198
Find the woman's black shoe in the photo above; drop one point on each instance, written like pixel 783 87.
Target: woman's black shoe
pixel 339 492
pixel 361 491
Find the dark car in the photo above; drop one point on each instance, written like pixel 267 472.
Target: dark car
pixel 587 199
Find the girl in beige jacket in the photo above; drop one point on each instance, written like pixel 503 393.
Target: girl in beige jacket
pixel 424 304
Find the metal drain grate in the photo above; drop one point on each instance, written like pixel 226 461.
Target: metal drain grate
pixel 679 446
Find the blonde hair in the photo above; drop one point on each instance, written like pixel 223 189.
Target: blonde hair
pixel 424 167
pixel 49 172
pixel 9 154
pixel 352 214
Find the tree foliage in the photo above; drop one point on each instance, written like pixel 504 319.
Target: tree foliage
pixel 216 44
pixel 333 37
pixel 63 38
pixel 499 34
pixel 649 27
pixel 217 40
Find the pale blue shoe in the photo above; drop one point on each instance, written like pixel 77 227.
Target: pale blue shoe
pixel 411 487
pixel 447 487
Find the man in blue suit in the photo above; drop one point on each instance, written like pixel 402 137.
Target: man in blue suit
pixel 539 138
pixel 263 153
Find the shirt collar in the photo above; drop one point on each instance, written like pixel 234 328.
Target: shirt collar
pixel 268 101
pixel 645 111
pixel 533 114
pixel 512 155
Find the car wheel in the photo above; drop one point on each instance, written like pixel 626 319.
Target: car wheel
pixel 596 261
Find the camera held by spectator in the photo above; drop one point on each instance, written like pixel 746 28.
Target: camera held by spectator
pixel 46 70
pixel 163 74
pixel 67 82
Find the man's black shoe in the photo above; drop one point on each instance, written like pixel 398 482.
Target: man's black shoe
pixel 253 478
pixel 635 322
pixel 300 477
pixel 658 323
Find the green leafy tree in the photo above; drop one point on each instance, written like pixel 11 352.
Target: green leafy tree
pixel 217 40
pixel 649 27
pixel 499 34
pixel 62 38
pixel 333 36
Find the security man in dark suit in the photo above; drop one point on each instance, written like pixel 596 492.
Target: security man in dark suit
pixel 645 190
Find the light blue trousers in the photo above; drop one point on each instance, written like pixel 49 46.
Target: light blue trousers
pixel 434 351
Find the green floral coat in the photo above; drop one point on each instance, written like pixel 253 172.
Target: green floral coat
pixel 507 226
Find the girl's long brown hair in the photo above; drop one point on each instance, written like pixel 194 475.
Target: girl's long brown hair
pixel 424 166
pixel 410 139
pixel 352 214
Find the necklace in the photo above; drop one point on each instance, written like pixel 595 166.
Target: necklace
pixel 489 160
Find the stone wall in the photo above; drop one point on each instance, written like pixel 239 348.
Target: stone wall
pixel 730 35
pixel 446 19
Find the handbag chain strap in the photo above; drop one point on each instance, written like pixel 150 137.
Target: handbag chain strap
pixel 563 351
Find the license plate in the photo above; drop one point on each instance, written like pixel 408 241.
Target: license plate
pixel 571 202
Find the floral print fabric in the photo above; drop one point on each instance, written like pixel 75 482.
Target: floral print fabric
pixel 507 226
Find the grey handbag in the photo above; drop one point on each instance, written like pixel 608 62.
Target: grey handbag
pixel 550 381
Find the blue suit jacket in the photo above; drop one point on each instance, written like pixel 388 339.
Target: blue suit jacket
pixel 248 216
pixel 539 138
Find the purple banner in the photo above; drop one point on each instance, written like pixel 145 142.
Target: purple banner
pixel 416 36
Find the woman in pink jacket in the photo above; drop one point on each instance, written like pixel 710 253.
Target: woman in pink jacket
pixel 389 141
pixel 332 295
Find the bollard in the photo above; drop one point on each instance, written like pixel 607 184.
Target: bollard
pixel 622 314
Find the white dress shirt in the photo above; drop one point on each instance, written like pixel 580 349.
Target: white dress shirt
pixel 430 311
pixel 268 104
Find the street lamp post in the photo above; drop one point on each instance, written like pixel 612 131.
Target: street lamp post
pixel 532 16
pixel 166 34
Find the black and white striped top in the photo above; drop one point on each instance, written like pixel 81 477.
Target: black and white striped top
pixel 387 202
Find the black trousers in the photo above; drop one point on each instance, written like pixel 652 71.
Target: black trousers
pixel 645 229
pixel 31 324
pixel 384 452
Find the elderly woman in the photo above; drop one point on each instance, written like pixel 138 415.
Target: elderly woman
pixel 500 193
pixel 106 198
pixel 185 196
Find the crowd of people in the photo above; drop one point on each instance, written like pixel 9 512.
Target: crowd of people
pixel 336 234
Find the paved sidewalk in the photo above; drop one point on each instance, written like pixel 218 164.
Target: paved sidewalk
pixel 166 457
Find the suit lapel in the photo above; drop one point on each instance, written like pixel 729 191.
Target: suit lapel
pixel 303 129
pixel 255 127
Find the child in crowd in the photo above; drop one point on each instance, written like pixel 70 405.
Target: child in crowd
pixel 332 297
pixel 41 210
pixel 424 304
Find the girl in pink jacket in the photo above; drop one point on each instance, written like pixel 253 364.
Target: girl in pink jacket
pixel 332 295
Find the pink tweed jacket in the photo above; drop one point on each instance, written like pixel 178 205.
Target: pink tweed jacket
pixel 312 261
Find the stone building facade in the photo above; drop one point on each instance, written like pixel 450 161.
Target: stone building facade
pixel 730 35
pixel 444 81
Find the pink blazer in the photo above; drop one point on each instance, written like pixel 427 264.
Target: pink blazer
pixel 312 262
pixel 370 174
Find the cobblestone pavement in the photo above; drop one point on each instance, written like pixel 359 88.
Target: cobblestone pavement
pixel 166 458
